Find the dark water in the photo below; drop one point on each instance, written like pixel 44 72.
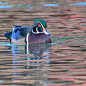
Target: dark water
pixel 61 63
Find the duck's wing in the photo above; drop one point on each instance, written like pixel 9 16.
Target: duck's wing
pixel 8 35
pixel 25 30
pixel 18 31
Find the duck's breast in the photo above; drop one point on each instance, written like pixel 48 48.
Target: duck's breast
pixel 39 38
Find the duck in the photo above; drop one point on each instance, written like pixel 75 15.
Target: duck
pixel 36 34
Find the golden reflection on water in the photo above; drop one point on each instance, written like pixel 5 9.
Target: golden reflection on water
pixel 61 63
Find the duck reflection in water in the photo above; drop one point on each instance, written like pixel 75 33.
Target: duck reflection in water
pixel 33 59
pixel 38 51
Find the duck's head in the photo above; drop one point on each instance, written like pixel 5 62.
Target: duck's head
pixel 39 26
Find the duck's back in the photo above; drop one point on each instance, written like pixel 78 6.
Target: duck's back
pixel 18 35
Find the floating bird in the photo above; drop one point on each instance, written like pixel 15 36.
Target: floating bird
pixel 31 35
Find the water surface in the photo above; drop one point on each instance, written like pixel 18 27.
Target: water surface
pixel 61 63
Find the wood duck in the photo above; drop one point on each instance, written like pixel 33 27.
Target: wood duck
pixel 31 35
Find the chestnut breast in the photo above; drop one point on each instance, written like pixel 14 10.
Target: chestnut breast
pixel 38 38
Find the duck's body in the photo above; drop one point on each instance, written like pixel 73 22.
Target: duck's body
pixel 38 38
pixel 19 41
pixel 18 35
pixel 37 34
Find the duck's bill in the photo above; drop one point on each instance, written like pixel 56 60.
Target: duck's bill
pixel 46 32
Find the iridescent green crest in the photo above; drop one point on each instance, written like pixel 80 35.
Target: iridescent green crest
pixel 40 21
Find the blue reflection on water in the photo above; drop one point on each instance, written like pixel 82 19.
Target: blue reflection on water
pixel 7 6
pixel 45 5
pixel 3 3
pixel 81 3
pixel 50 5
pixel 28 5
pixel 1 80
pixel 4 44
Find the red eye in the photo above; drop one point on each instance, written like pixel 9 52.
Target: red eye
pixel 39 25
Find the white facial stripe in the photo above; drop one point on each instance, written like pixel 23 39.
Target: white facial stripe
pixel 37 29
pixel 37 32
